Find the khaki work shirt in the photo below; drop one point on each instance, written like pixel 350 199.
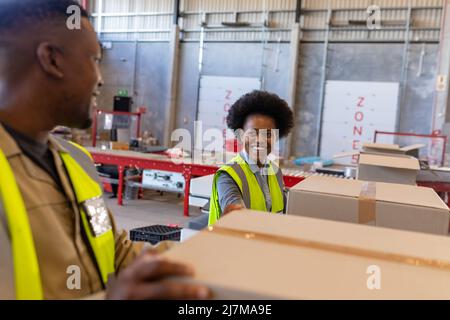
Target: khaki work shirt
pixel 56 226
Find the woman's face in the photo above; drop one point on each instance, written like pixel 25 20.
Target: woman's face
pixel 258 136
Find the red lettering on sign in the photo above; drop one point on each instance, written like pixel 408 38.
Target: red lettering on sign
pixel 359 116
pixel 361 102
pixel 357 130
pixel 358 127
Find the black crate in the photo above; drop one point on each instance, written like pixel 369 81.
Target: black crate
pixel 155 234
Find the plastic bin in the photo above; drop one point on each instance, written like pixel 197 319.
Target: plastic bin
pixel 155 234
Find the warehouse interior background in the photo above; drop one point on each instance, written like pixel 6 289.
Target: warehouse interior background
pixel 357 89
pixel 157 50
pixel 315 54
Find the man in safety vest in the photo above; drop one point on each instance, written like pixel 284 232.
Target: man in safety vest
pixel 57 238
pixel 251 180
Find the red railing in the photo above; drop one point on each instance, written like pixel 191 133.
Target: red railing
pixel 429 136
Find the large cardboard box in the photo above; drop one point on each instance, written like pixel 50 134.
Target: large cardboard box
pixel 390 169
pixel 382 204
pixel 254 255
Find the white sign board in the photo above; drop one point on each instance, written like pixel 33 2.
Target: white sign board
pixel 353 111
pixel 217 95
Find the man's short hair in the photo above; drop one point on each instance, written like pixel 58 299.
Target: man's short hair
pixel 17 14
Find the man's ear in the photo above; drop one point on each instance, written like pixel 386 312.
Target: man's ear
pixel 50 59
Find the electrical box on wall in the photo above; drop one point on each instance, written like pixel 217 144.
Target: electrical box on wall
pixel 441 82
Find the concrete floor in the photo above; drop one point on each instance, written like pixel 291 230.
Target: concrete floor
pixel 156 209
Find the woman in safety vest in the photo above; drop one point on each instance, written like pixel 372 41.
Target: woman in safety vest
pixel 252 180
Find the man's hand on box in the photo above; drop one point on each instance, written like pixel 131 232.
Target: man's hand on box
pixel 143 280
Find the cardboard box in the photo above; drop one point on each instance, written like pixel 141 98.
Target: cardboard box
pixel 123 135
pixel 386 205
pixel 392 149
pixel 390 169
pixel 119 146
pixel 254 255
pixel 387 163
pixel 104 135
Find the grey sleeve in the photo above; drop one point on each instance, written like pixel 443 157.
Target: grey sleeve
pixel 283 190
pixel 285 193
pixel 228 191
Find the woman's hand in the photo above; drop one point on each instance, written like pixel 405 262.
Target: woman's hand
pixel 233 207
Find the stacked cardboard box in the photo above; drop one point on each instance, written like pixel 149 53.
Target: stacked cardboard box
pixel 387 205
pixel 389 163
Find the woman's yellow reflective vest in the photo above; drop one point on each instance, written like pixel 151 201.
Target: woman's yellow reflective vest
pixel 251 192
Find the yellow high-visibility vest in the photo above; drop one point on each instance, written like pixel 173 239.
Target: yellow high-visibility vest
pixel 98 227
pixel 251 192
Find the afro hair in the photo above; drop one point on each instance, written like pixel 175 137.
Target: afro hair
pixel 265 103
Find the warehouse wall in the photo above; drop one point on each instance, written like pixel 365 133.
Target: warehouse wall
pixel 148 70
pixel 354 54
pixel 364 62
pixel 150 19
pixel 228 59
pixel 351 62
pixel 151 80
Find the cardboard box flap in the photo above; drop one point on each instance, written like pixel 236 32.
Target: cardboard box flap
pixel 381 146
pixel 329 185
pixel 387 192
pixel 412 147
pixel 390 162
pixel 345 154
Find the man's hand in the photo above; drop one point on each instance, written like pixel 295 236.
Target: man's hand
pixel 232 207
pixel 142 280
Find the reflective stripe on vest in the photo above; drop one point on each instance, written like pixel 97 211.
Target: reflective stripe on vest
pixel 86 185
pixel 7 287
pixel 253 196
pixel 27 278
pixel 85 181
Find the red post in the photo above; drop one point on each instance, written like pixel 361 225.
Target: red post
pixel 141 189
pixel 120 188
pixel 138 133
pixel 187 174
pixel 444 151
